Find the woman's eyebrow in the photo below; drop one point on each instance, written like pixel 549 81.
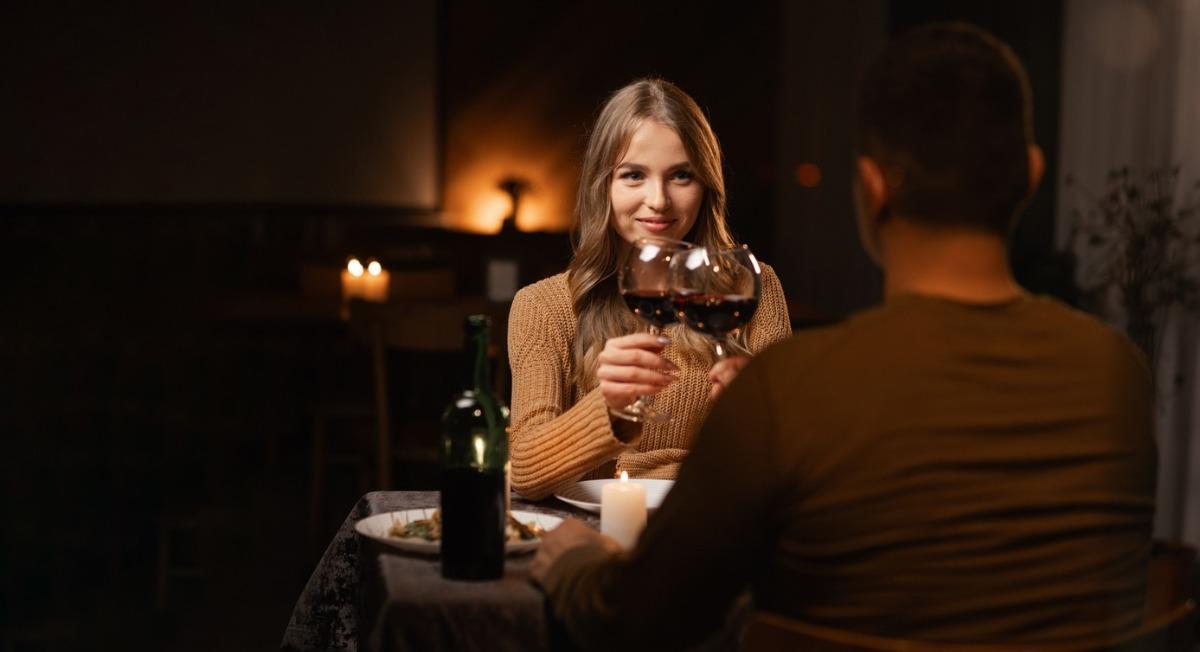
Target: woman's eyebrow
pixel 638 166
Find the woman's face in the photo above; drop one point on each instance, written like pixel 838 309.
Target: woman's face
pixel 654 192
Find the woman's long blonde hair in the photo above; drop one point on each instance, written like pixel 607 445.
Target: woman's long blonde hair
pixel 591 275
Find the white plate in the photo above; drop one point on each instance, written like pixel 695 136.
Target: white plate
pixel 586 494
pixel 377 526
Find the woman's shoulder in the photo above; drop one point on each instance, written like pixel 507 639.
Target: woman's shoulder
pixel 768 272
pixel 542 313
pixel 546 300
pixel 550 290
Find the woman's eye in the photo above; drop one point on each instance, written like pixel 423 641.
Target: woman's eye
pixel 683 175
pixel 631 175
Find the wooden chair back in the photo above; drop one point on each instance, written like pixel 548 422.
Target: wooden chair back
pixel 434 325
pixel 1171 631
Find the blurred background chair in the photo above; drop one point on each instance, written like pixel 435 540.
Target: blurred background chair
pixel 415 352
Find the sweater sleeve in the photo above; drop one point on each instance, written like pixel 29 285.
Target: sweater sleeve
pixel 551 442
pixel 771 322
pixel 658 463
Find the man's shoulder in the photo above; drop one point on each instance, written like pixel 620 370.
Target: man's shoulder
pixel 805 349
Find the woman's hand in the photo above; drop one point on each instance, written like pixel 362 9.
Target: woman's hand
pixel 723 373
pixel 631 366
pixel 569 534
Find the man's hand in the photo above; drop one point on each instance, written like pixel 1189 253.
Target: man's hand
pixel 571 533
pixel 723 373
pixel 633 366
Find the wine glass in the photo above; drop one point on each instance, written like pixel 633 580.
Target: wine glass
pixel 644 281
pixel 716 292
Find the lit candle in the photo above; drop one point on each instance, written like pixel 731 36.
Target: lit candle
pixel 623 511
pixel 375 283
pixel 352 280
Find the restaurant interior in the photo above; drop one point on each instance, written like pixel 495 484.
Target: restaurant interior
pixel 204 368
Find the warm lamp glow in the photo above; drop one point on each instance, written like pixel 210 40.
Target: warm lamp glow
pixel 624 476
pixel 374 268
pixel 354 267
pixel 486 211
pixel 476 168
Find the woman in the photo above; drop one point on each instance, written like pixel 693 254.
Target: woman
pixel 652 168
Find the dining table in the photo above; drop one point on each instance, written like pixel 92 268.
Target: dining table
pixel 367 595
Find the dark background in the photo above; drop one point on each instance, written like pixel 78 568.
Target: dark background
pixel 164 362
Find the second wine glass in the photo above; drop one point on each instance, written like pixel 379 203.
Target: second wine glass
pixel 716 292
pixel 644 281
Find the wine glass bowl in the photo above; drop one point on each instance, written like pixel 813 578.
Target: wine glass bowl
pixel 644 281
pixel 716 292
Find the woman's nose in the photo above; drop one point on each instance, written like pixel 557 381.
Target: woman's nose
pixel 657 198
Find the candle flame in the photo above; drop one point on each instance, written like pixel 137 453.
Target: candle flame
pixel 374 268
pixel 624 476
pixel 354 267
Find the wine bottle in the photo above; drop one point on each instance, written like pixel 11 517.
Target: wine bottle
pixel 473 460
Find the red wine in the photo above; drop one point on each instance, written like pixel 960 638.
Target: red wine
pixel 653 306
pixel 715 315
pixel 473 523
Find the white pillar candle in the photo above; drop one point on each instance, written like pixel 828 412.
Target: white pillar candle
pixel 623 511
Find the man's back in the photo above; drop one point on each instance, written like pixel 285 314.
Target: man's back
pixel 959 473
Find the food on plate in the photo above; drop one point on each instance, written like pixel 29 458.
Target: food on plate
pixel 430 529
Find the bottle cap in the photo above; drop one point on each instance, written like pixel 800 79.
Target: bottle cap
pixel 477 321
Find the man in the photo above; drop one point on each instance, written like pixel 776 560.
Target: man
pixel 965 463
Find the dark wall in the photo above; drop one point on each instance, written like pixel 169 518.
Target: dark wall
pixel 542 72
pixel 143 101
pixel 826 45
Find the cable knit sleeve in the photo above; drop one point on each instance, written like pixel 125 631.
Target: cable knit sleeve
pixel 551 442
pixel 771 322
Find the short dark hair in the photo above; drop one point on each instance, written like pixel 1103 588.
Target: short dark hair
pixel 946 110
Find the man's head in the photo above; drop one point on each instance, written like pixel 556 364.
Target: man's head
pixel 945 131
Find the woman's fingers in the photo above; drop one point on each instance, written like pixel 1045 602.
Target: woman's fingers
pixel 638 341
pixel 637 357
pixel 723 373
pixel 631 366
pixel 632 374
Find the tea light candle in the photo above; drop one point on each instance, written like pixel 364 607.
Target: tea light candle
pixel 623 511
pixel 352 278
pixel 376 282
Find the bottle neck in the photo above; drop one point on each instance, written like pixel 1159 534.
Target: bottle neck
pixel 476 347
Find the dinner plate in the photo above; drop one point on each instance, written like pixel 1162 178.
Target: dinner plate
pixel 377 526
pixel 586 494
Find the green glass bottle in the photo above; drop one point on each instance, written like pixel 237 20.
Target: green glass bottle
pixel 473 474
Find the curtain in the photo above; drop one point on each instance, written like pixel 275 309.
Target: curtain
pixel 1131 97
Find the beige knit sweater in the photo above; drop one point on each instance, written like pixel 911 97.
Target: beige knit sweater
pixel 562 433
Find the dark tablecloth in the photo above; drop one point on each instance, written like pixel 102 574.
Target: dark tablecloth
pixel 404 598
